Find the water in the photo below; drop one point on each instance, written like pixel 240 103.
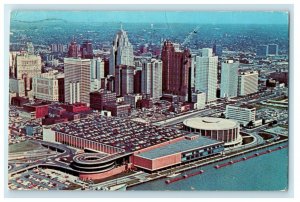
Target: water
pixel 266 172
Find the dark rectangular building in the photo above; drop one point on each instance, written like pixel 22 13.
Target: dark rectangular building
pixel 61 90
pixel 99 99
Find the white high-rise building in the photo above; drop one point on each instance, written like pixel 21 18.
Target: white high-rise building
pixel 45 86
pixel 97 69
pixel 206 76
pixel 121 52
pixel 152 78
pixel 199 99
pixel 77 80
pixel 28 66
pixel 229 78
pixel 247 83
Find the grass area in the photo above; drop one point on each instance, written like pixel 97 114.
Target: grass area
pixel 23 147
pixel 284 126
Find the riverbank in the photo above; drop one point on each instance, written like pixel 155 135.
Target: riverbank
pixel 199 163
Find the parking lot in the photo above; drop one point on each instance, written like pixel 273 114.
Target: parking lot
pixel 43 179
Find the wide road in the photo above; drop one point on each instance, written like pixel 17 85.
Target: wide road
pixel 217 109
pixel 52 161
pixel 180 119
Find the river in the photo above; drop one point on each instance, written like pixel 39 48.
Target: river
pixel 265 172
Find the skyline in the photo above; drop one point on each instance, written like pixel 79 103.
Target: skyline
pixel 106 114
pixel 191 17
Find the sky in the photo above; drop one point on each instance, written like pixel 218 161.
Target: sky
pixel 195 17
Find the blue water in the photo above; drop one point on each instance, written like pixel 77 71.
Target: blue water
pixel 266 172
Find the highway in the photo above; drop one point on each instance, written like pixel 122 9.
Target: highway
pixel 64 151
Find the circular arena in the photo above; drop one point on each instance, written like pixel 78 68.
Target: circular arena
pixel 226 130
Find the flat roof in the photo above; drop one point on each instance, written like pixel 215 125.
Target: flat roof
pixel 118 132
pixel 210 123
pixel 180 146
pixel 278 130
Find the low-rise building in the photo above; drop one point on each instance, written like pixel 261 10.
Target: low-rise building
pixel 132 99
pixel 243 114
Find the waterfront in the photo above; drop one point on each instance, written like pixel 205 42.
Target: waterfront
pixel 266 172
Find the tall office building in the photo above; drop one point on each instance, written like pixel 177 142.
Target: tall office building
pixel 124 80
pixel 77 80
pixel 206 74
pixel 137 81
pixel 176 70
pixel 46 86
pixel 31 65
pixel 121 52
pixel 97 69
pixel 262 50
pixel 86 50
pixel 74 50
pixel 27 67
pixel 152 78
pixel 217 50
pixel 30 48
pixel 272 49
pixel 247 83
pixel 229 78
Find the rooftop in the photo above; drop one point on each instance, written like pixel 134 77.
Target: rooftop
pixel 278 130
pixel 180 146
pixel 117 132
pixel 210 123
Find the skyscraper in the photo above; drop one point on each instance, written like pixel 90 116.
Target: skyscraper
pixel 229 78
pixel 206 74
pixel 86 50
pixel 176 70
pixel 124 80
pixel 30 48
pixel 97 68
pixel 77 80
pixel 121 52
pixel 74 50
pixel 272 49
pixel 217 50
pixel 262 50
pixel 152 78
pixel 27 67
pixel 248 83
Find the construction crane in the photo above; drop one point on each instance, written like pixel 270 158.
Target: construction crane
pixel 190 35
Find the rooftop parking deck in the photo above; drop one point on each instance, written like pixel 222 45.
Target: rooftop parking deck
pixel 116 132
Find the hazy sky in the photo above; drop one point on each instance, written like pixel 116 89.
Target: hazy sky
pixel 216 17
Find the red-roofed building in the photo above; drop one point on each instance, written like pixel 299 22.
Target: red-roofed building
pixel 76 107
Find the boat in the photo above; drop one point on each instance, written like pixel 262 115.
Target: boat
pixel 173 175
